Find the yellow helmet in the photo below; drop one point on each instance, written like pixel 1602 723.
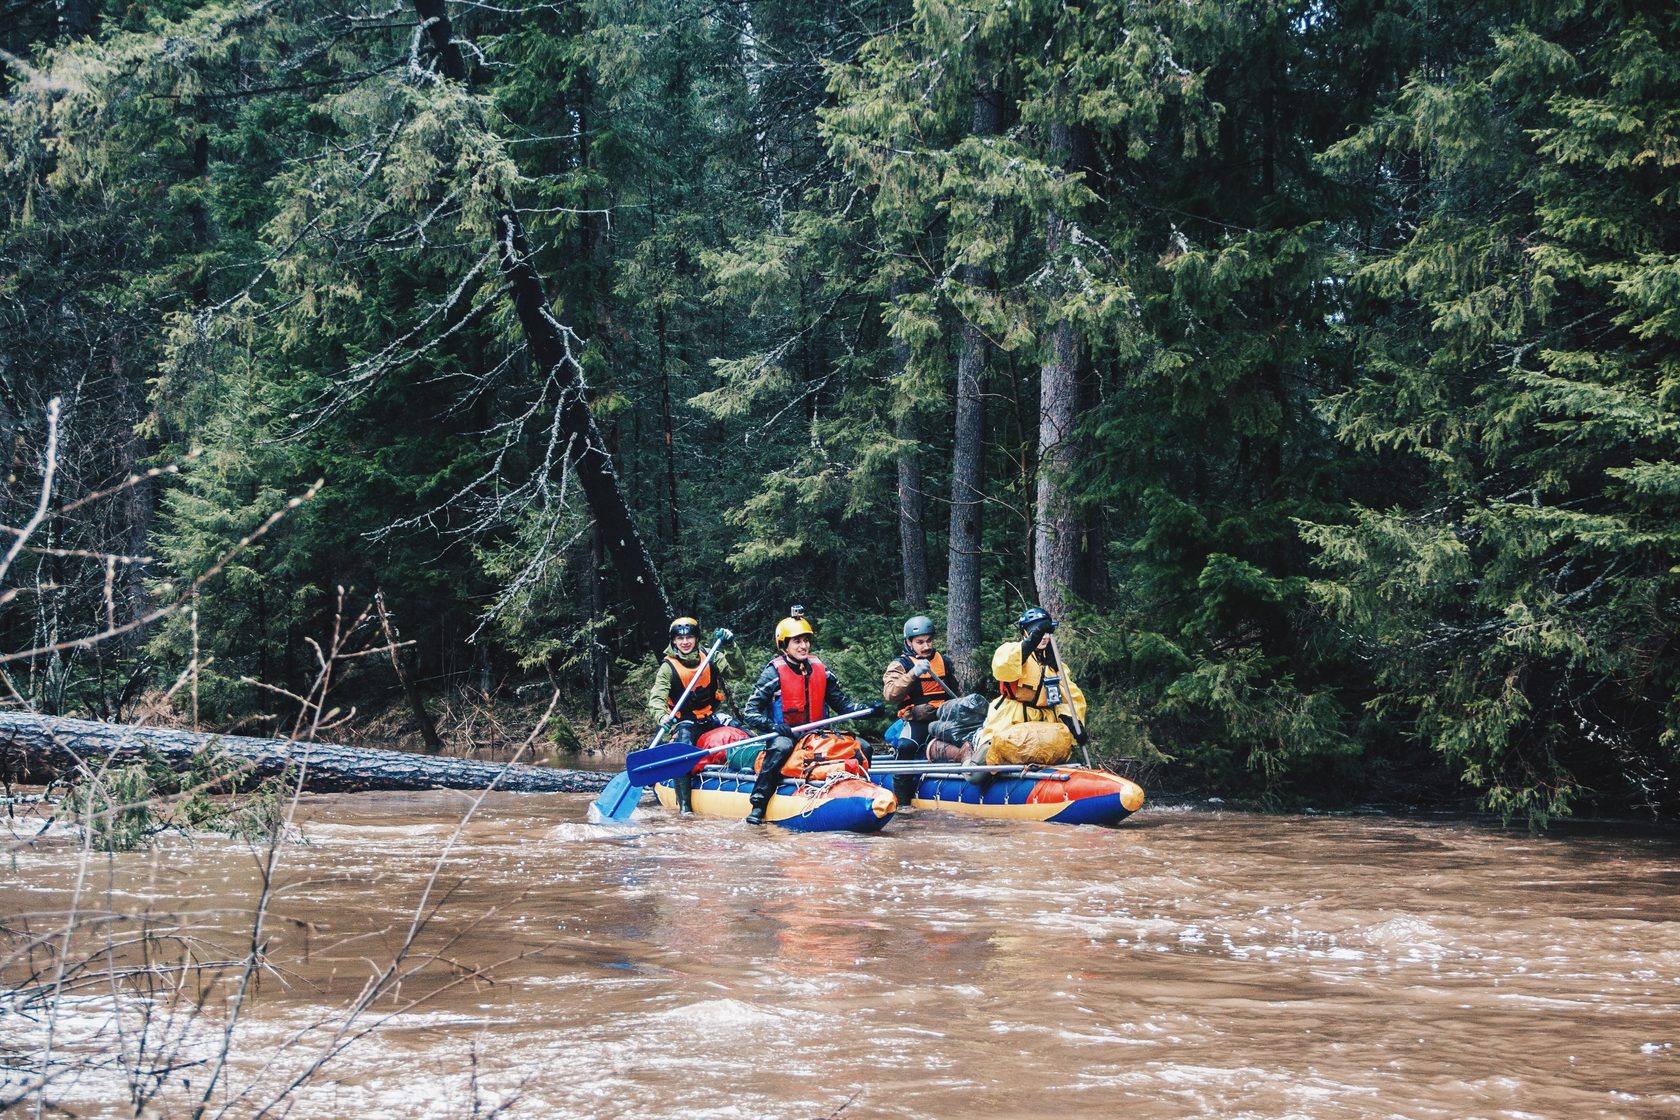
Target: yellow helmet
pixel 791 627
pixel 683 627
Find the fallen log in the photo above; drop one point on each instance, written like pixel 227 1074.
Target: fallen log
pixel 37 749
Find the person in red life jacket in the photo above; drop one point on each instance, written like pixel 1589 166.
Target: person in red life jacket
pixel 794 689
pixel 915 682
pixel 703 710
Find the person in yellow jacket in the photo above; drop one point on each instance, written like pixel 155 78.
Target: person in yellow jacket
pixel 1028 720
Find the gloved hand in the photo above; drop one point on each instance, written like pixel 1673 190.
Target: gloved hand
pixel 1080 735
pixel 920 667
pixel 785 731
pixel 724 635
pixel 872 711
pixel 1035 634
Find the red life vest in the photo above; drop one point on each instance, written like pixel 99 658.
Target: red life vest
pixel 802 693
pixel 924 690
pixel 704 697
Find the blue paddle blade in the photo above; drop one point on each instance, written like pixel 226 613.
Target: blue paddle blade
pixel 667 760
pixel 618 800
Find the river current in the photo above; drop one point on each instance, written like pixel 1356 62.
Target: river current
pixel 1193 962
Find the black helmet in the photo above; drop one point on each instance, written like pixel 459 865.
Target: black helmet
pixel 1033 615
pixel 685 628
pixel 919 626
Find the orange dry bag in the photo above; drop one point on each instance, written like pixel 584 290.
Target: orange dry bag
pixel 822 754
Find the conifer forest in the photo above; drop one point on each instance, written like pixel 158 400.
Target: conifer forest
pixel 1316 363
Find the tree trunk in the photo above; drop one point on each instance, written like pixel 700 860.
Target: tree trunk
pixel 669 433
pixel 37 749
pixel 968 464
pixel 912 536
pixel 1056 529
pixel 402 663
pixel 78 19
pixel 547 338
pixel 417 704
pixel 604 707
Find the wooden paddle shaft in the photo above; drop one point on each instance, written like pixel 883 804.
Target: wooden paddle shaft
pixel 1077 724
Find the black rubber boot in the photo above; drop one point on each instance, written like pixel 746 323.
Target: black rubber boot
pixel 769 777
pixel 685 794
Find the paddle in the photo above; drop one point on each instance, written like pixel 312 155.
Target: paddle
pixel 950 693
pixel 619 799
pixel 959 770
pixel 1072 720
pixel 657 763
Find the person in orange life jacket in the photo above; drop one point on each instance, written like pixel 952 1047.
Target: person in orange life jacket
pixel 794 689
pixel 703 709
pixel 913 683
pixel 1032 689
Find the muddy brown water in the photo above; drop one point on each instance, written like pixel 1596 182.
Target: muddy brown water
pixel 1193 962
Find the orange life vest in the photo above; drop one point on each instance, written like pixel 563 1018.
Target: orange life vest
pixel 802 694
pixel 704 697
pixel 924 690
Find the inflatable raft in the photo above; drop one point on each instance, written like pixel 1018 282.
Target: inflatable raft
pixel 845 804
pixel 1062 794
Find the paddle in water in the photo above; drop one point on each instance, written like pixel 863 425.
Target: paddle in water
pixel 621 796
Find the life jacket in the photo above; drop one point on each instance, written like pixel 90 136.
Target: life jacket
pixel 802 694
pixel 1045 692
pixel 704 697
pixel 924 690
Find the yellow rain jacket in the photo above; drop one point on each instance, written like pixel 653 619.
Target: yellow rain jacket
pixel 1024 724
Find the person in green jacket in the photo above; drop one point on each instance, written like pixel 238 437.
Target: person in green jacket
pixel 703 710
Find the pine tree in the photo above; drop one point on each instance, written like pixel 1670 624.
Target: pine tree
pixel 1520 600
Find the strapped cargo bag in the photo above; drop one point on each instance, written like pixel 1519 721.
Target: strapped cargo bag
pixel 1043 742
pixel 717 741
pixel 959 719
pixel 823 754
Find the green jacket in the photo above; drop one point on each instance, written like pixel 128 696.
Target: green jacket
pixel 666 687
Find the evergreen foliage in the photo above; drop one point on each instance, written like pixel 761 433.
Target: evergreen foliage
pixel 1519 608
pixel 1368 313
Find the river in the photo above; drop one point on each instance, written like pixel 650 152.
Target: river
pixel 1193 962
